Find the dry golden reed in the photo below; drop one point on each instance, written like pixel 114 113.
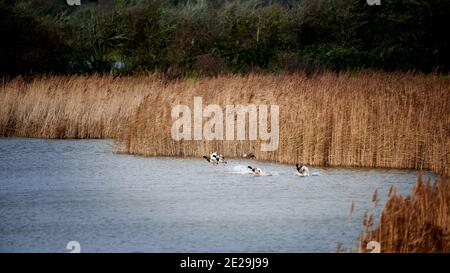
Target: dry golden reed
pixel 365 119
pixel 69 107
pixel 417 223
pixel 373 119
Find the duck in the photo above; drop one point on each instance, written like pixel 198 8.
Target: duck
pixel 302 171
pixel 250 156
pixel 256 171
pixel 213 158
pixel 212 161
pixel 218 157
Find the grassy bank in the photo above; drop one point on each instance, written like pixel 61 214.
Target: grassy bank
pixel 367 119
pixel 417 223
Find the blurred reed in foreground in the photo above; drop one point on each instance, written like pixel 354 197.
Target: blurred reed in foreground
pixel 417 223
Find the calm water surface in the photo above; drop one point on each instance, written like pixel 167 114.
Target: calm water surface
pixel 56 191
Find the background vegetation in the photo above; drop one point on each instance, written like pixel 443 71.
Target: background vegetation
pixel 198 37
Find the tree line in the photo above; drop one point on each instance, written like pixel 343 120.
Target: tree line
pixel 199 37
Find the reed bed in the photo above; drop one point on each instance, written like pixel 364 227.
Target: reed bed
pixel 370 119
pixel 417 223
pixel 70 107
pixel 365 119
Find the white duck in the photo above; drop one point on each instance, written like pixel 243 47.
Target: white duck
pixel 302 171
pixel 213 158
pixel 256 171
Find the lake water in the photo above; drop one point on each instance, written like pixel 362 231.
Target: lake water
pixel 56 191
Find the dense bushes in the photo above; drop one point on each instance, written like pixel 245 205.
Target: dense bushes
pixel 210 37
pixel 29 44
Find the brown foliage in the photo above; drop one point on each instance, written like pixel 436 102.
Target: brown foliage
pixel 417 223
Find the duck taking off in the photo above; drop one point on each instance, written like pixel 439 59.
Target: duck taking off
pixel 211 160
pixel 256 171
pixel 302 171
pixel 215 158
